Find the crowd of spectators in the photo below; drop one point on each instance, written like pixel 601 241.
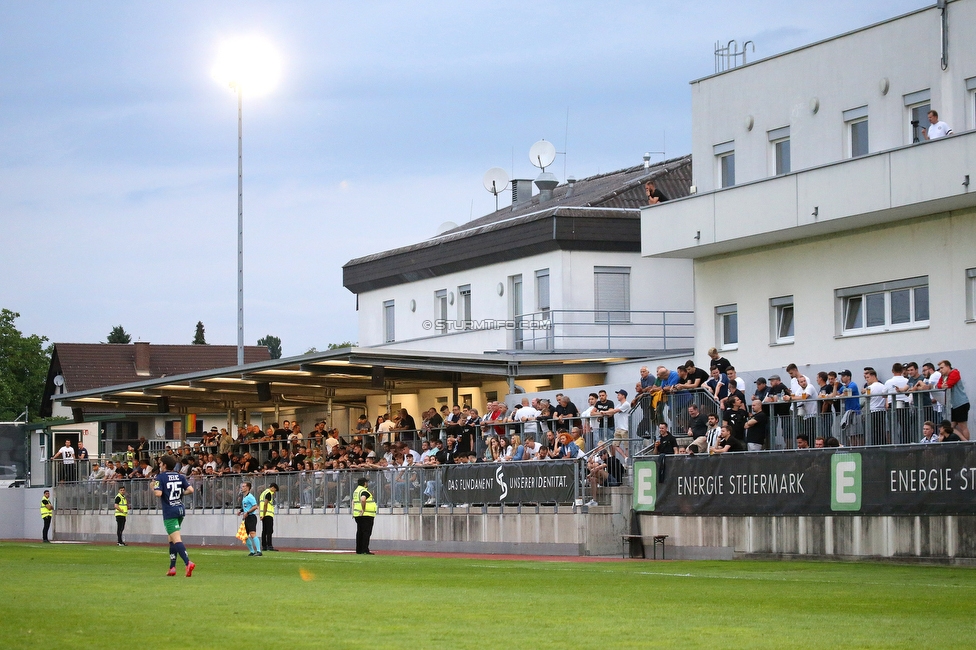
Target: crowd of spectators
pixel 741 420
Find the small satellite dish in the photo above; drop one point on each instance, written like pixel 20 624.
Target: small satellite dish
pixel 444 227
pixel 496 182
pixel 542 153
pixel 58 380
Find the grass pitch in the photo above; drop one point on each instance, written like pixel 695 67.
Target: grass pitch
pixel 61 596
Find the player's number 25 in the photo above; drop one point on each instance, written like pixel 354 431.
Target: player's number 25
pixel 175 490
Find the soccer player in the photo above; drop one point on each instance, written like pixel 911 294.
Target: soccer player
pixel 170 487
pixel 249 508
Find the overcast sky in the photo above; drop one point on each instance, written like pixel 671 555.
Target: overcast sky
pixel 118 152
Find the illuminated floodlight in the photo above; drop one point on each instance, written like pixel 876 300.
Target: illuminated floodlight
pixel 248 63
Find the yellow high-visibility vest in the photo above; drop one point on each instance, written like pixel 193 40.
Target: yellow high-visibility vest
pixel 357 506
pixel 46 508
pixel 123 510
pixel 271 506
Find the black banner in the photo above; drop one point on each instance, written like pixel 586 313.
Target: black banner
pixel 930 479
pixel 528 482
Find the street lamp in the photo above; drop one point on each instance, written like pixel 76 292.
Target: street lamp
pixel 245 63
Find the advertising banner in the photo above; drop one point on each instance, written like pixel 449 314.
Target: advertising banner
pixel 932 479
pixel 528 482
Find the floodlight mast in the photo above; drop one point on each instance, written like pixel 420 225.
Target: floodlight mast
pixel 253 62
pixel 240 225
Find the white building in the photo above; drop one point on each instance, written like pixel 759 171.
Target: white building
pixel 821 234
pixel 557 272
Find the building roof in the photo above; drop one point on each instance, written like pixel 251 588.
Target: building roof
pixel 87 366
pixel 348 375
pixel 594 216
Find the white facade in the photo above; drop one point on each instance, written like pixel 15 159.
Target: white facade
pixel 843 260
pixel 653 286
pixel 879 72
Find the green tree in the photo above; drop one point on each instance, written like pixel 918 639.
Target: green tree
pixel 344 344
pixel 118 335
pixel 273 343
pixel 199 338
pixel 24 362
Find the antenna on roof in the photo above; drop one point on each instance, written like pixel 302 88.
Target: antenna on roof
pixel 496 182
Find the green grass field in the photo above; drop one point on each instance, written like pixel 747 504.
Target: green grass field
pixel 60 596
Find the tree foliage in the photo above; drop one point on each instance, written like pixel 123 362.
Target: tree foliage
pixel 24 362
pixel 344 344
pixel 200 337
pixel 273 343
pixel 118 335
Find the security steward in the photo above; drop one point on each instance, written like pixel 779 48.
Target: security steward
pixel 267 508
pixel 47 513
pixel 121 512
pixel 364 512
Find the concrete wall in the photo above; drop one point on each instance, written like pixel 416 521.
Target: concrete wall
pixel 933 537
pixel 566 532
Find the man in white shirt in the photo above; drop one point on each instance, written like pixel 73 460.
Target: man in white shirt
pixel 897 387
pixel 878 403
pixel 590 423
pixel 385 428
pixel 67 456
pixel 621 422
pixel 527 414
pixel 795 375
pixel 932 379
pixel 936 128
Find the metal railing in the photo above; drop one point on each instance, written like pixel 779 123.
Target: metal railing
pixel 850 420
pixel 590 329
pixel 878 419
pixel 312 492
pixel 670 409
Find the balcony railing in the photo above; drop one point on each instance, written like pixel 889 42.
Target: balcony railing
pixel 604 330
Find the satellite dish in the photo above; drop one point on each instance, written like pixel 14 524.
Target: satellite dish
pixel 58 380
pixel 495 181
pixel 542 153
pixel 444 227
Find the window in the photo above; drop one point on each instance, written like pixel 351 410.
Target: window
pixel 440 311
pixel 543 303
pixel 856 120
pixel 464 305
pixel 727 326
pixel 885 306
pixel 920 121
pixel 781 311
pixel 725 154
pixel 515 306
pixel 971 295
pixel 389 322
pixel 611 294
pixel 859 138
pixel 542 292
pixel 917 105
pixel 779 140
pixel 971 89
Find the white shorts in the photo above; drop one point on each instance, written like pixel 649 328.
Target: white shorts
pixel 753 446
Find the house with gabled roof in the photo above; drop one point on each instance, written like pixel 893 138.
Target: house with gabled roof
pixel 85 366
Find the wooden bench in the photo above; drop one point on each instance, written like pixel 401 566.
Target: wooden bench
pixel 627 540
pixel 659 541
